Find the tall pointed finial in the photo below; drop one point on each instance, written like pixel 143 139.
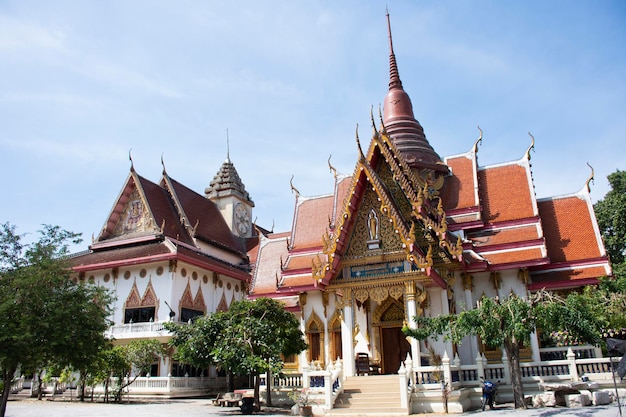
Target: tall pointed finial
pixel 373 122
pixel 294 189
pixel 163 164
pixel 332 168
pixel 479 140
pixel 389 29
pixel 394 75
pixel 587 184
pixel 531 147
pixel 130 157
pixel 227 147
pixel 358 142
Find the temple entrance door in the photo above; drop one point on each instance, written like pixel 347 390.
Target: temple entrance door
pixel 394 348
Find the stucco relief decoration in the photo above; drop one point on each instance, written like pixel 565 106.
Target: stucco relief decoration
pixel 524 275
pixel 134 299
pixel 468 281
pixel 223 305
pixel 394 314
pixel 149 296
pixel 363 228
pixel 325 302
pixel 335 321
pixel 396 292
pixel 302 299
pixel 314 324
pixel 389 310
pixel 396 191
pixel 186 300
pixel 496 280
pixel 361 295
pixel 379 294
pixel 422 301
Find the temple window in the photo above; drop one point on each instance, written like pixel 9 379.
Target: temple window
pixel 139 315
pixel 315 338
pixel 187 314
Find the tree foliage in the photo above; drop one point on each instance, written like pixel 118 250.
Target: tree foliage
pixel 46 319
pixel 125 363
pixel 248 339
pixel 609 298
pixel 611 215
pixel 508 323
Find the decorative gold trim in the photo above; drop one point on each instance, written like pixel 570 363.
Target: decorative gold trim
pixel 468 281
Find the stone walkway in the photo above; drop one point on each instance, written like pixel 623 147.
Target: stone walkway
pixel 203 408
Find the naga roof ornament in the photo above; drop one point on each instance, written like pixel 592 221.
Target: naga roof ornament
pixel 531 147
pixel 591 179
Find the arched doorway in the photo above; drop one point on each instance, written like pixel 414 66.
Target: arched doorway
pixel 389 317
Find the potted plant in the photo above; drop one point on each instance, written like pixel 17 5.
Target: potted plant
pixel 303 401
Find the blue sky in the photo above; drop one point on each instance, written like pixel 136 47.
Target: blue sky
pixel 83 82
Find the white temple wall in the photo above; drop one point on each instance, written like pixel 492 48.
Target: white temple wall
pixel 435 309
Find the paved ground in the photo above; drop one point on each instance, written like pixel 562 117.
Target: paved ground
pixel 203 407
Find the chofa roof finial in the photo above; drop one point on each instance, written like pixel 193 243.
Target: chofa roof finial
pixel 479 141
pixel 591 179
pixel 130 158
pixel 531 147
pixel 294 189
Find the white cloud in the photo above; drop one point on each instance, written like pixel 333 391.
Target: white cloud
pixel 18 35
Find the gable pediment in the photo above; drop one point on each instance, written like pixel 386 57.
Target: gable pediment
pixel 131 216
pixel 403 207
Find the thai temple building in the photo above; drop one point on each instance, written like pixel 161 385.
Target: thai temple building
pixel 408 232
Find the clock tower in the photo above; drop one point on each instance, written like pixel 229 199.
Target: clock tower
pixel 229 194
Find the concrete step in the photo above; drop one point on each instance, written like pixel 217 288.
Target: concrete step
pixel 369 395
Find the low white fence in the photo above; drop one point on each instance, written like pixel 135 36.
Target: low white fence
pixel 169 386
pixel 456 375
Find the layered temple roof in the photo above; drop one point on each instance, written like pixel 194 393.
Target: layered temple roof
pixel 492 209
pixel 166 221
pixel 226 183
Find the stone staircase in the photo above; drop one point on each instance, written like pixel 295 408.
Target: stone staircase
pixel 369 395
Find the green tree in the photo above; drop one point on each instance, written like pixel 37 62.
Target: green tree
pixel 508 323
pixel 46 319
pixel 610 294
pixel 611 215
pixel 248 339
pixel 128 362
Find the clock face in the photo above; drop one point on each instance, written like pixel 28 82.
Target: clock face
pixel 242 220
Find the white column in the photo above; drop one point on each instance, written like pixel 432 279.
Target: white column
pixel 534 346
pixel 347 327
pixel 411 309
pixel 468 287
pixel 303 354
pixel 445 309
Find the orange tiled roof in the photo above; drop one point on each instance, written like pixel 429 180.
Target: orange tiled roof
pixel 267 268
pixel 297 281
pixel 505 192
pixel 312 221
pixel 511 256
pixel 569 274
pixel 298 262
pixel 569 229
pixel 458 190
pixel 502 236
